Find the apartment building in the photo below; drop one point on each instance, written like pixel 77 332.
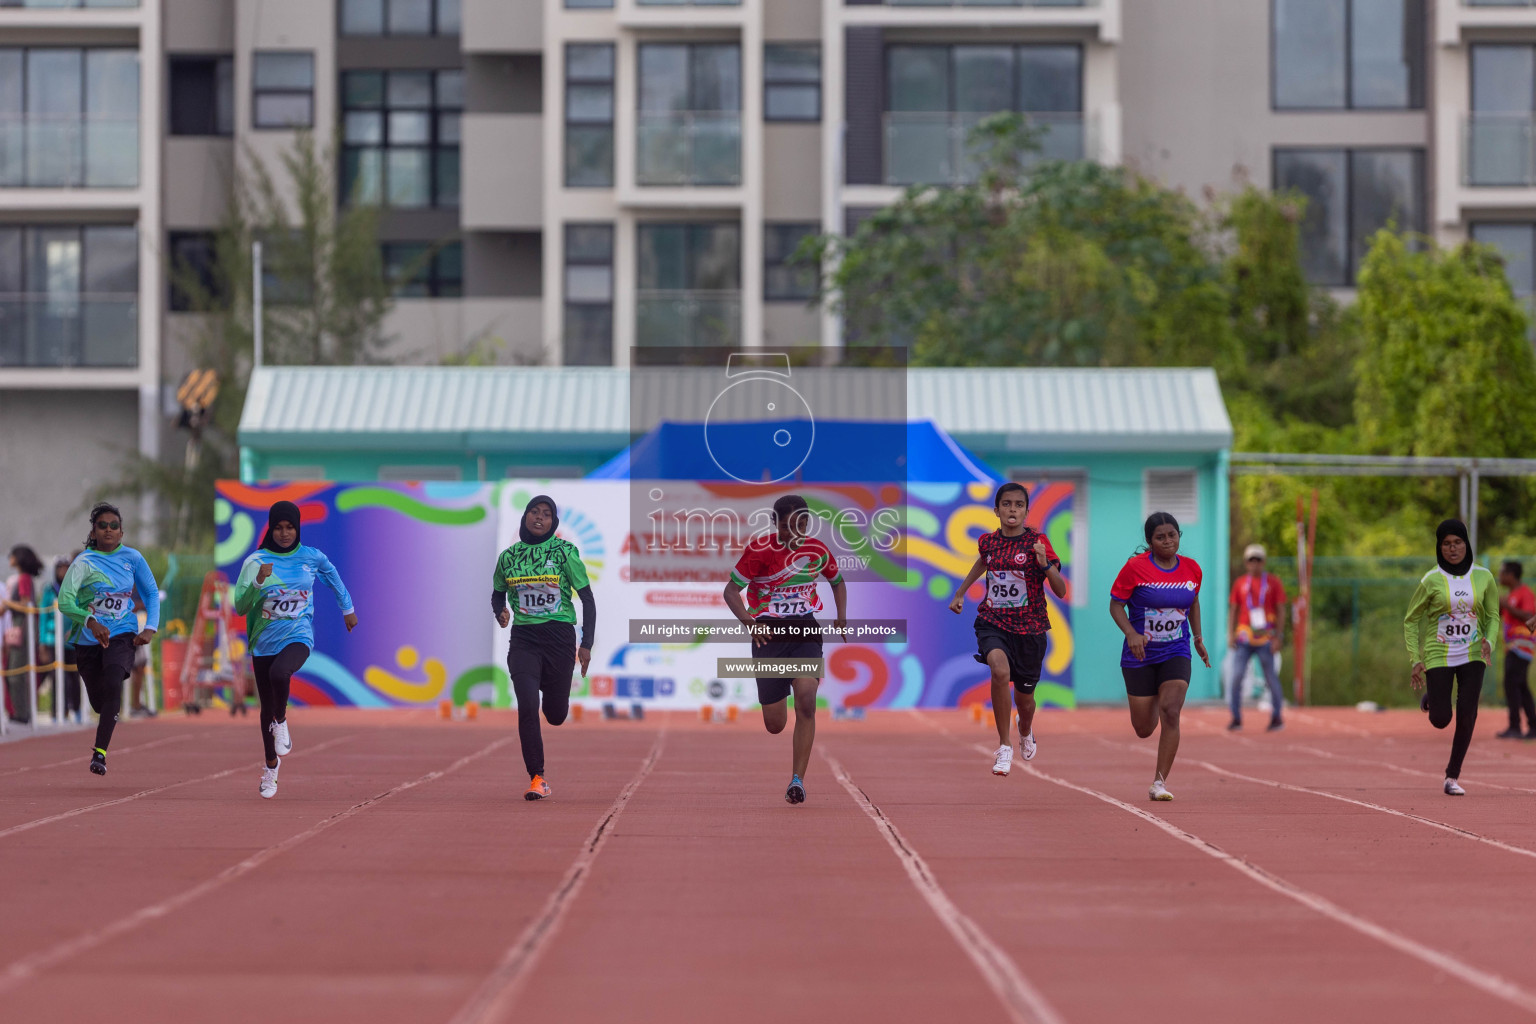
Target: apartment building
pixel 592 176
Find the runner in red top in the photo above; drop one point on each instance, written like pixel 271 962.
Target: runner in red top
pixel 779 573
pixel 1156 603
pixel 1256 629
pixel 1012 621
pixel 1519 649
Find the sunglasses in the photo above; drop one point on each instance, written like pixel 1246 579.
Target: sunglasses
pixel 103 524
pixel 1258 560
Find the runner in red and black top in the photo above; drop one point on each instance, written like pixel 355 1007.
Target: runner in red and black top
pixel 780 573
pixel 1156 603
pixel 1013 620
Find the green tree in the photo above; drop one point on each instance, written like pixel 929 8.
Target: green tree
pixel 325 301
pixel 1037 263
pixel 1445 366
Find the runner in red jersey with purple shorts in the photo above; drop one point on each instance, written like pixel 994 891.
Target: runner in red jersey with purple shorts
pixel 1012 622
pixel 1156 603
pixel 780 572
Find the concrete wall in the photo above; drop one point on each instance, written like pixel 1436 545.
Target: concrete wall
pixel 427 331
pixel 55 447
pixel 1195 89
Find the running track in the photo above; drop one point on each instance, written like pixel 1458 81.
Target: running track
pixel 1314 875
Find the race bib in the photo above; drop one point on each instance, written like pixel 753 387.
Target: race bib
pixel 1457 632
pixel 1006 589
pixel 1257 619
pixel 783 604
pixel 1164 624
pixel 538 596
pixel 111 606
pixel 283 603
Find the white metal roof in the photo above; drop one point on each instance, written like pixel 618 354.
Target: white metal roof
pixel 1017 409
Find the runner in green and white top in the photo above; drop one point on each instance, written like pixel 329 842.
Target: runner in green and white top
pixel 540 573
pixel 1451 618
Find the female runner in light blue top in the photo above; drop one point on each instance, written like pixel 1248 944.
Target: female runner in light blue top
pixel 275 592
pixel 97 598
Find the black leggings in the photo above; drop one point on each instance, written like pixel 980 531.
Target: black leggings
pixel 103 670
pixel 1517 694
pixel 1469 687
pixel 540 660
pixel 273 671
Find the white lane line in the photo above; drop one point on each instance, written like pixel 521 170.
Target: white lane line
pixel 27 826
pixel 1443 826
pixel 81 761
pixel 1024 1003
pixel 1418 773
pixel 1492 984
pixel 497 992
pixel 30 966
pixel 1302 716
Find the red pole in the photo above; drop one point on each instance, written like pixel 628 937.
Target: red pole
pixel 1299 611
pixel 1306 666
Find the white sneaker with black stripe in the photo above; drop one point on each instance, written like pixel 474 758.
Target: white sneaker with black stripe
pixel 1027 746
pixel 1004 763
pixel 268 787
pixel 281 740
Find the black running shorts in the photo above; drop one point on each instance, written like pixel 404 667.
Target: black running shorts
pixel 1025 651
pixel 771 690
pixel 1146 680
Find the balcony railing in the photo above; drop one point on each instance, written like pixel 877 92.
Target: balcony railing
pixel 688 148
pixel 68 151
pixel 69 330
pixel 1498 3
pixel 935 149
pixel 69 3
pixel 1499 150
pixel 688 319
pixel 688 3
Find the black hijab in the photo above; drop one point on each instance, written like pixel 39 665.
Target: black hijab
pixel 526 535
pixel 1453 528
pixel 281 512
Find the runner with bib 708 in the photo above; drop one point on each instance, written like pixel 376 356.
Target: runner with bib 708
pixel 1013 620
pixel 1156 603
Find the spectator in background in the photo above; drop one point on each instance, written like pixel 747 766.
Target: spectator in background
pixel 138 686
pixel 1255 628
pixel 1519 647
pixel 21 597
pixel 47 636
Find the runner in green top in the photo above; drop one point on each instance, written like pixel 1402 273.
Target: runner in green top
pixel 540 572
pixel 1453 613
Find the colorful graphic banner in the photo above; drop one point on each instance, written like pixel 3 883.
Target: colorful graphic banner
pixel 418 560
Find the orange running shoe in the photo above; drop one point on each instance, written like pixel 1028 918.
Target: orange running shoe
pixel 538 789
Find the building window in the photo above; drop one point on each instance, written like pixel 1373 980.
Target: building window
pixel 400 17
pixel 1517 244
pixel 283 89
pixel 937 94
pixel 782 281
pixel 195 284
pixel 1499 132
pixel 400 134
pixel 589 73
pixel 1351 194
pixel 202 95
pixel 588 295
pixel 1348 54
pixel 1176 491
pixel 689 126
pixel 69 295
pixel 69 118
pixel 689 287
pixel 416 270
pixel 588 4
pixel 792 82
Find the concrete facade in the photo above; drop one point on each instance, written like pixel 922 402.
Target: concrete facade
pixel 1182 90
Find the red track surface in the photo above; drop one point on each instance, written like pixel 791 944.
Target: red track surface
pixel 399 876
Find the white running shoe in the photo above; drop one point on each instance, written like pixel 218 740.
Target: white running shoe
pixel 281 739
pixel 1004 763
pixel 1027 746
pixel 268 788
pixel 1453 788
pixel 1159 791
